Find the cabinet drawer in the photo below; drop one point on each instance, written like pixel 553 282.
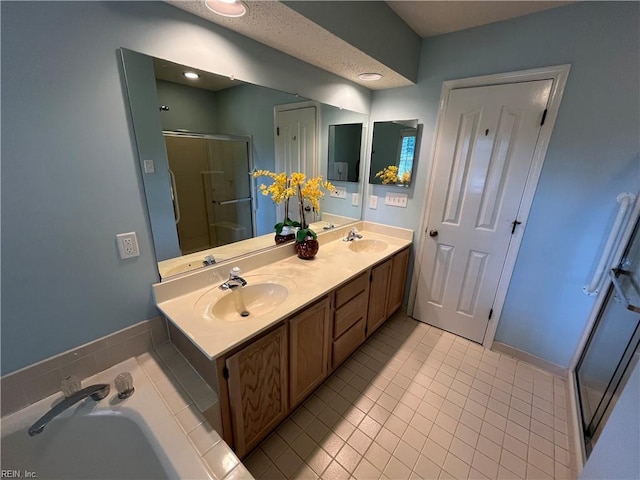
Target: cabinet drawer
pixel 348 342
pixel 351 289
pixel 350 313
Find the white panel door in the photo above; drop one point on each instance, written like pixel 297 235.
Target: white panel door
pixel 296 149
pixel 482 161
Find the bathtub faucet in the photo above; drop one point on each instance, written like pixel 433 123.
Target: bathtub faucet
pixel 97 392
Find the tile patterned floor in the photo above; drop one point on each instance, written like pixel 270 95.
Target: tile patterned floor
pixel 415 402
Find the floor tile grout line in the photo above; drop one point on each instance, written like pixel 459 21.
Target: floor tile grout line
pixel 392 366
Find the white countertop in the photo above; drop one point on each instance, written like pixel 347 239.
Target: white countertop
pixel 308 280
pixel 194 261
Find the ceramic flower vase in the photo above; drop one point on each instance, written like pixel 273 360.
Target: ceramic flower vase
pixel 308 248
pixel 286 235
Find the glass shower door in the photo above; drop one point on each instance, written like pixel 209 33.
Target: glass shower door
pixel 612 344
pixel 227 185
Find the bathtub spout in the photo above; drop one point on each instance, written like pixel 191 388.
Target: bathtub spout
pixel 97 392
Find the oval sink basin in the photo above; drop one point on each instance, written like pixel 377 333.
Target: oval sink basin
pixel 261 295
pixel 367 246
pixel 249 301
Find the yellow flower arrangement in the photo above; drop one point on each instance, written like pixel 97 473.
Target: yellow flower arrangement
pixel 390 175
pixel 286 186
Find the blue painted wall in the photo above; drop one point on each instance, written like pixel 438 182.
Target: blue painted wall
pixel 190 108
pixel 593 154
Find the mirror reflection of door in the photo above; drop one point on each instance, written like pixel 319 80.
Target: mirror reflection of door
pixel 211 190
pixel 296 148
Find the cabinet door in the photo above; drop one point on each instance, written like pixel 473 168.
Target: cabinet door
pixel 308 350
pixel 378 295
pixel 258 389
pixel 397 281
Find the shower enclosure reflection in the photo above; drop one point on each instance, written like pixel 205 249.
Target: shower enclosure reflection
pixel 211 190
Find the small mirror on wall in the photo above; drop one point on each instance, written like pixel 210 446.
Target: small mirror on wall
pixel 393 152
pixel 345 143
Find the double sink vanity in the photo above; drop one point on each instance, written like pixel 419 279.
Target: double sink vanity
pixel 265 346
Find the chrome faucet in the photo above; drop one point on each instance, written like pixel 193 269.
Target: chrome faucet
pixel 97 392
pixel 209 260
pixel 329 226
pixel 352 235
pixel 235 280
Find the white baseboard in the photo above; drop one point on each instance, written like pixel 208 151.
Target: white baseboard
pixel 531 359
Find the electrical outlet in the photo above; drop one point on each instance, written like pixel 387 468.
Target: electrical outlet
pixel 396 200
pixel 128 245
pixel 339 192
pixel 373 202
pixel 355 199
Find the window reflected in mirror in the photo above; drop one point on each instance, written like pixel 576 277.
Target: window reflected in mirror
pixel 393 152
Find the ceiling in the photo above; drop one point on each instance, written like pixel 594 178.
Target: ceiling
pixel 430 18
pixel 174 72
pixel 280 27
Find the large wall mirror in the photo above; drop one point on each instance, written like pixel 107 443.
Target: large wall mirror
pixel 198 142
pixel 393 152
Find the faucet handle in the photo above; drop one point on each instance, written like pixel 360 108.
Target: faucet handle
pixel 235 272
pixel 124 385
pixel 70 385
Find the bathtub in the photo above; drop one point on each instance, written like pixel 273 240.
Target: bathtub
pixel 135 438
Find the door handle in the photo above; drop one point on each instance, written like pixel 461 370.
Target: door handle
pixel 433 232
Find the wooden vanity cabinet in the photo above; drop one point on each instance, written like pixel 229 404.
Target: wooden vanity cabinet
pixel 308 350
pixel 387 289
pixel 261 381
pixel 397 277
pixel 380 276
pixel 257 387
pixel 349 318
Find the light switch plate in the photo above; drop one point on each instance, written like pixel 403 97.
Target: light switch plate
pixel 373 202
pixel 339 192
pixel 149 166
pixel 355 199
pixel 396 200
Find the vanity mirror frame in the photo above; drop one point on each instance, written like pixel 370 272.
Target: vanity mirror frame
pixel 148 136
pixel 389 146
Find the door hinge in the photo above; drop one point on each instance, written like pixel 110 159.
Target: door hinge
pixel 278 131
pixel 225 372
pixel 544 116
pixel 490 313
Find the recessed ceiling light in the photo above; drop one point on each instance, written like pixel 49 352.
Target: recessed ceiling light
pixel 369 77
pixel 227 8
pixel 191 75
